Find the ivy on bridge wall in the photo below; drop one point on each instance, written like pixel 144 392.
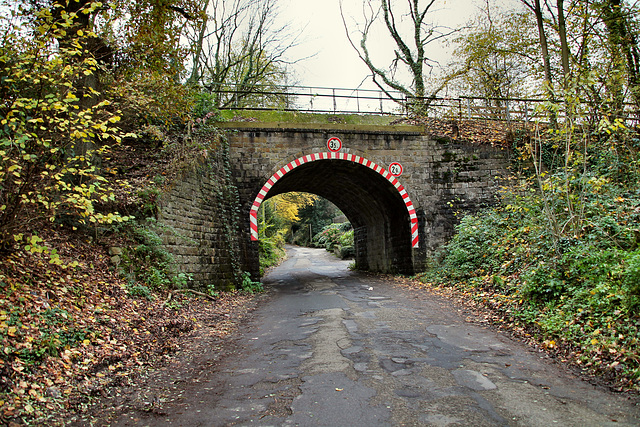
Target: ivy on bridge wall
pixel 201 208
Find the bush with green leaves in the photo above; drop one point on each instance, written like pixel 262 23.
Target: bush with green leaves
pixel 581 288
pixel 330 235
pixel 250 286
pixel 271 251
pixel 205 107
pixel 147 264
pixel 346 239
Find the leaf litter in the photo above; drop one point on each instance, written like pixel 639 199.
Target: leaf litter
pixel 72 336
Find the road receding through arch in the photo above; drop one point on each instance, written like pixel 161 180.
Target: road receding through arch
pixel 253 214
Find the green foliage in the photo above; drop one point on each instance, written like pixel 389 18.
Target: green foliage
pixel 249 285
pixel 271 251
pixel 317 215
pixel 473 248
pixel 279 218
pixel 138 290
pixel 344 252
pixel 333 235
pixel 149 198
pixel 147 265
pixel 346 239
pixel 205 104
pixel 58 332
pixel 52 129
pixel 564 258
pixel 211 290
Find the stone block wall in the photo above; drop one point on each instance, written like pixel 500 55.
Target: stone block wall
pixel 454 179
pixel 204 214
pixel 198 222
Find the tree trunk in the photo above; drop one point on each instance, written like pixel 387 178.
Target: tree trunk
pixel 562 32
pixel 194 78
pixel 546 59
pixel 544 46
pixel 624 45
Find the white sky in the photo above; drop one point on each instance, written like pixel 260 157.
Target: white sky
pixel 336 63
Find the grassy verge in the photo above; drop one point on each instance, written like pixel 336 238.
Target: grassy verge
pixel 295 117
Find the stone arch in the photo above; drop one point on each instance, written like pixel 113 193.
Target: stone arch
pixel 402 192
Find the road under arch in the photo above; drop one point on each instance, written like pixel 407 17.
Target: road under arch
pixel 374 201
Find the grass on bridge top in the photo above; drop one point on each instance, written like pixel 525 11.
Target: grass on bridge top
pixel 297 117
pixel 476 131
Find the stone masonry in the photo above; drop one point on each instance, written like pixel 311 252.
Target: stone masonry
pixel 198 222
pixel 443 178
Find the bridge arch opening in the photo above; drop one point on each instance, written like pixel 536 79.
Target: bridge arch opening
pixel 377 205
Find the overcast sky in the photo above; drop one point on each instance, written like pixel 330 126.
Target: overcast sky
pixel 336 63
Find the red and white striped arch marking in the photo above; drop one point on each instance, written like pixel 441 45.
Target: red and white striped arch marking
pixel 253 215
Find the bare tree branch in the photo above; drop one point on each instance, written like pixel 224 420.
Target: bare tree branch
pixel 239 47
pixel 410 49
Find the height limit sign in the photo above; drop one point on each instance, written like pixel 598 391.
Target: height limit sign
pixel 395 169
pixel 334 144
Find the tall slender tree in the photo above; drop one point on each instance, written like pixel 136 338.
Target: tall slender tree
pixel 536 8
pixel 622 34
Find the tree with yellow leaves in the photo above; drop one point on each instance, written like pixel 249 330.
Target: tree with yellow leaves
pixel 281 212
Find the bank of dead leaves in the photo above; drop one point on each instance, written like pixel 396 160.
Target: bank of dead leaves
pixel 478 131
pixel 69 335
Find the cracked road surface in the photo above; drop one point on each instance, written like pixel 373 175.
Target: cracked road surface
pixel 331 347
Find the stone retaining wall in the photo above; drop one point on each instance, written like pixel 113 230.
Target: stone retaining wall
pixel 198 218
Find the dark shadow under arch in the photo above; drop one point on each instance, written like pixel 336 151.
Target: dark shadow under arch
pixel 374 201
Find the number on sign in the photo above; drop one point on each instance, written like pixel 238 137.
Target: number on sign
pixel 395 169
pixel 334 144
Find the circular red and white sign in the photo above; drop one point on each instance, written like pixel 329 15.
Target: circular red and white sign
pixel 334 144
pixel 395 169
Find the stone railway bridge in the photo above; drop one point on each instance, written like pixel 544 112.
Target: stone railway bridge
pixel 399 220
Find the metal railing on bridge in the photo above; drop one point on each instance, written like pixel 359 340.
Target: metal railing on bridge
pixel 308 99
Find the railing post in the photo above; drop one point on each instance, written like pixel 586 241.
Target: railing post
pixel 401 103
pixel 334 101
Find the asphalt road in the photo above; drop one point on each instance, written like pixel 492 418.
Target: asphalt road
pixel 331 347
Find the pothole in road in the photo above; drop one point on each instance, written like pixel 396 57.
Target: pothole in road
pixel 283 394
pixel 395 364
